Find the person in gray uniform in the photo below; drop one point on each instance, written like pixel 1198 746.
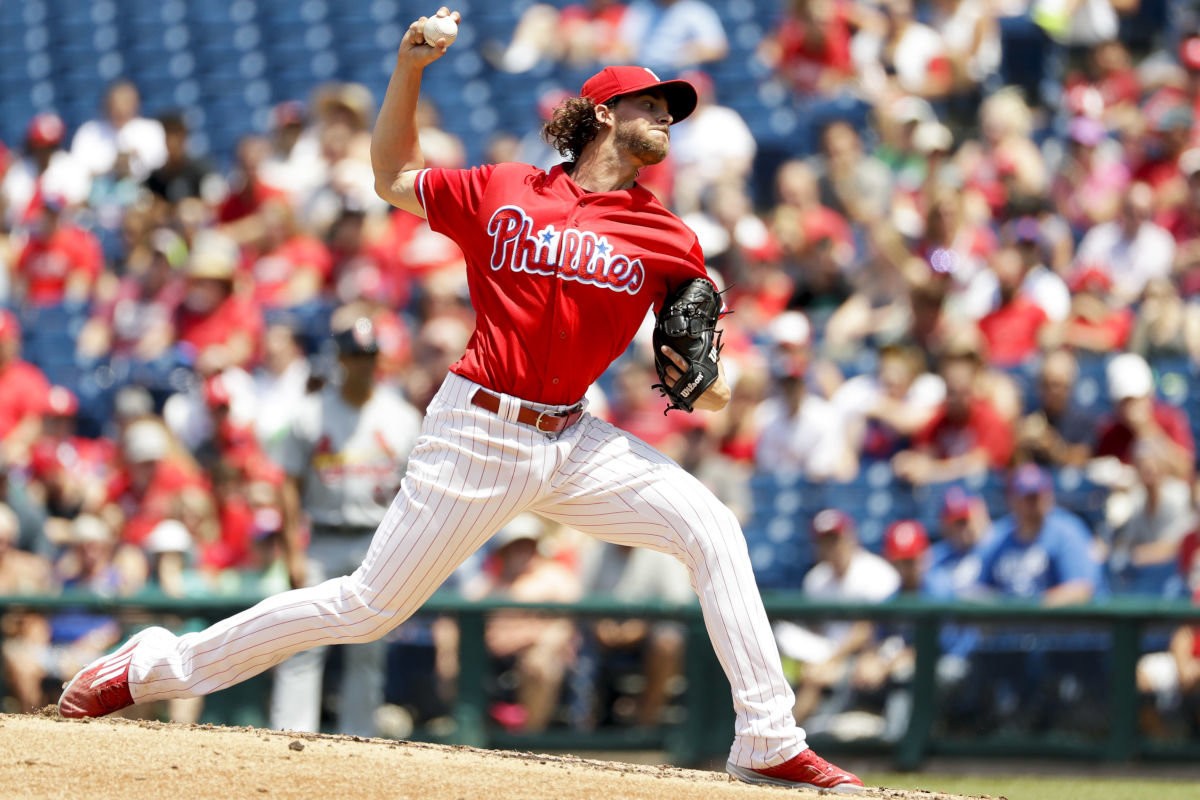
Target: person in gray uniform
pixel 345 454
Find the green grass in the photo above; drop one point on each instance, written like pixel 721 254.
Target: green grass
pixel 1041 788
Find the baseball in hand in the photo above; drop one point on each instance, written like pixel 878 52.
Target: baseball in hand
pixel 440 28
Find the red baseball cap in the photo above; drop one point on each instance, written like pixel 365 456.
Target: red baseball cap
pixel 613 82
pixel 832 521
pixel 1090 277
pixel 46 130
pixel 905 539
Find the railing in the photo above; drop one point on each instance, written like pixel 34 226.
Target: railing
pixel 708 725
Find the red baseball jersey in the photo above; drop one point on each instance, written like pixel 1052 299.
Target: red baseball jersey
pixel 560 278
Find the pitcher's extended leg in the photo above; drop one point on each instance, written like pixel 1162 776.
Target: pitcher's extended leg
pixel 617 488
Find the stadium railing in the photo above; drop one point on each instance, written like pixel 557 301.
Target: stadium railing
pixel 706 730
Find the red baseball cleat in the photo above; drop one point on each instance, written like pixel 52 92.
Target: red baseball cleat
pixel 102 687
pixel 805 770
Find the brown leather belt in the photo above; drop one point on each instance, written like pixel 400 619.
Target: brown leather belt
pixel 544 421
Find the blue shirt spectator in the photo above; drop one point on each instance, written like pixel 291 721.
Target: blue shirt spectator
pixel 1039 550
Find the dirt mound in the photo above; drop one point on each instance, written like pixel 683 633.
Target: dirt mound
pixel 44 756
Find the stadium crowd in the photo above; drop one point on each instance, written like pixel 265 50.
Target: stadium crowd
pixel 965 347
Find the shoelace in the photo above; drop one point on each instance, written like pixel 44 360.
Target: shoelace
pixel 110 695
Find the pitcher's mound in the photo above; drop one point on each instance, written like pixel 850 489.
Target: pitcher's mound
pixel 48 757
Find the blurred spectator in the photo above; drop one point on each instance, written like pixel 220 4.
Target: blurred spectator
pixel 24 633
pixel 1173 677
pixel 100 142
pixel 170 552
pixel 966 436
pixel 181 174
pixel 712 146
pixel 1099 322
pixel 23 395
pixel 656 648
pixel 136 318
pixel 1167 328
pixel 844 572
pixel 906 57
pixel 153 477
pixel 671 35
pixel 953 569
pixel 289 266
pixel 971 35
pixel 1041 283
pixel 1106 86
pixel 537 648
pixel 897 122
pixel 46 170
pixel 69 474
pixel 1169 134
pixel 1183 223
pixel 799 432
pixel 294 164
pixel 884 410
pixel 1089 182
pixel 61 260
pixel 364 265
pixel 1155 515
pixel 248 190
pixel 883 672
pixel 1004 162
pixel 810 50
pixel 582 35
pixel 280 384
pixel 959 246
pixel 1014 329
pixel 1056 432
pixel 344 458
pixel 739 246
pixel 852 182
pixel 216 327
pixel 1039 550
pixel 815 241
pixel 1142 423
pixel 1131 248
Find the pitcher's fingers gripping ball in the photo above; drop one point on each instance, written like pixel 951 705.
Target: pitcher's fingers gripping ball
pixel 687 326
pixel 438 28
pixel 437 32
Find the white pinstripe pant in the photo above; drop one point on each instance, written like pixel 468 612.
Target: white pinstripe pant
pixel 471 472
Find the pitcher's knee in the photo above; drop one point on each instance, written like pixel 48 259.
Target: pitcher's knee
pixel 719 533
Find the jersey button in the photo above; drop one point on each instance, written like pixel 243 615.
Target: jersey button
pixel 555 381
pixel 562 334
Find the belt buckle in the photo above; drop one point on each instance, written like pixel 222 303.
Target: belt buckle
pixel 537 423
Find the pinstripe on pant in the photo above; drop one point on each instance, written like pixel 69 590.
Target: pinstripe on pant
pixel 471 472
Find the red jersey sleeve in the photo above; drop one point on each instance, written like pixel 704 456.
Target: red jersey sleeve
pixel 452 196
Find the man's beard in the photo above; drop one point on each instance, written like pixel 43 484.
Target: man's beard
pixel 643 146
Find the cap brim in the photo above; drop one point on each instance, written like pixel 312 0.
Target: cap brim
pixel 680 95
pixel 681 99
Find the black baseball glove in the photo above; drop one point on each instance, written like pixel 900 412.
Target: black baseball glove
pixel 687 324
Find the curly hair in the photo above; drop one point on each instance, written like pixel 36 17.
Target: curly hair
pixel 572 126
